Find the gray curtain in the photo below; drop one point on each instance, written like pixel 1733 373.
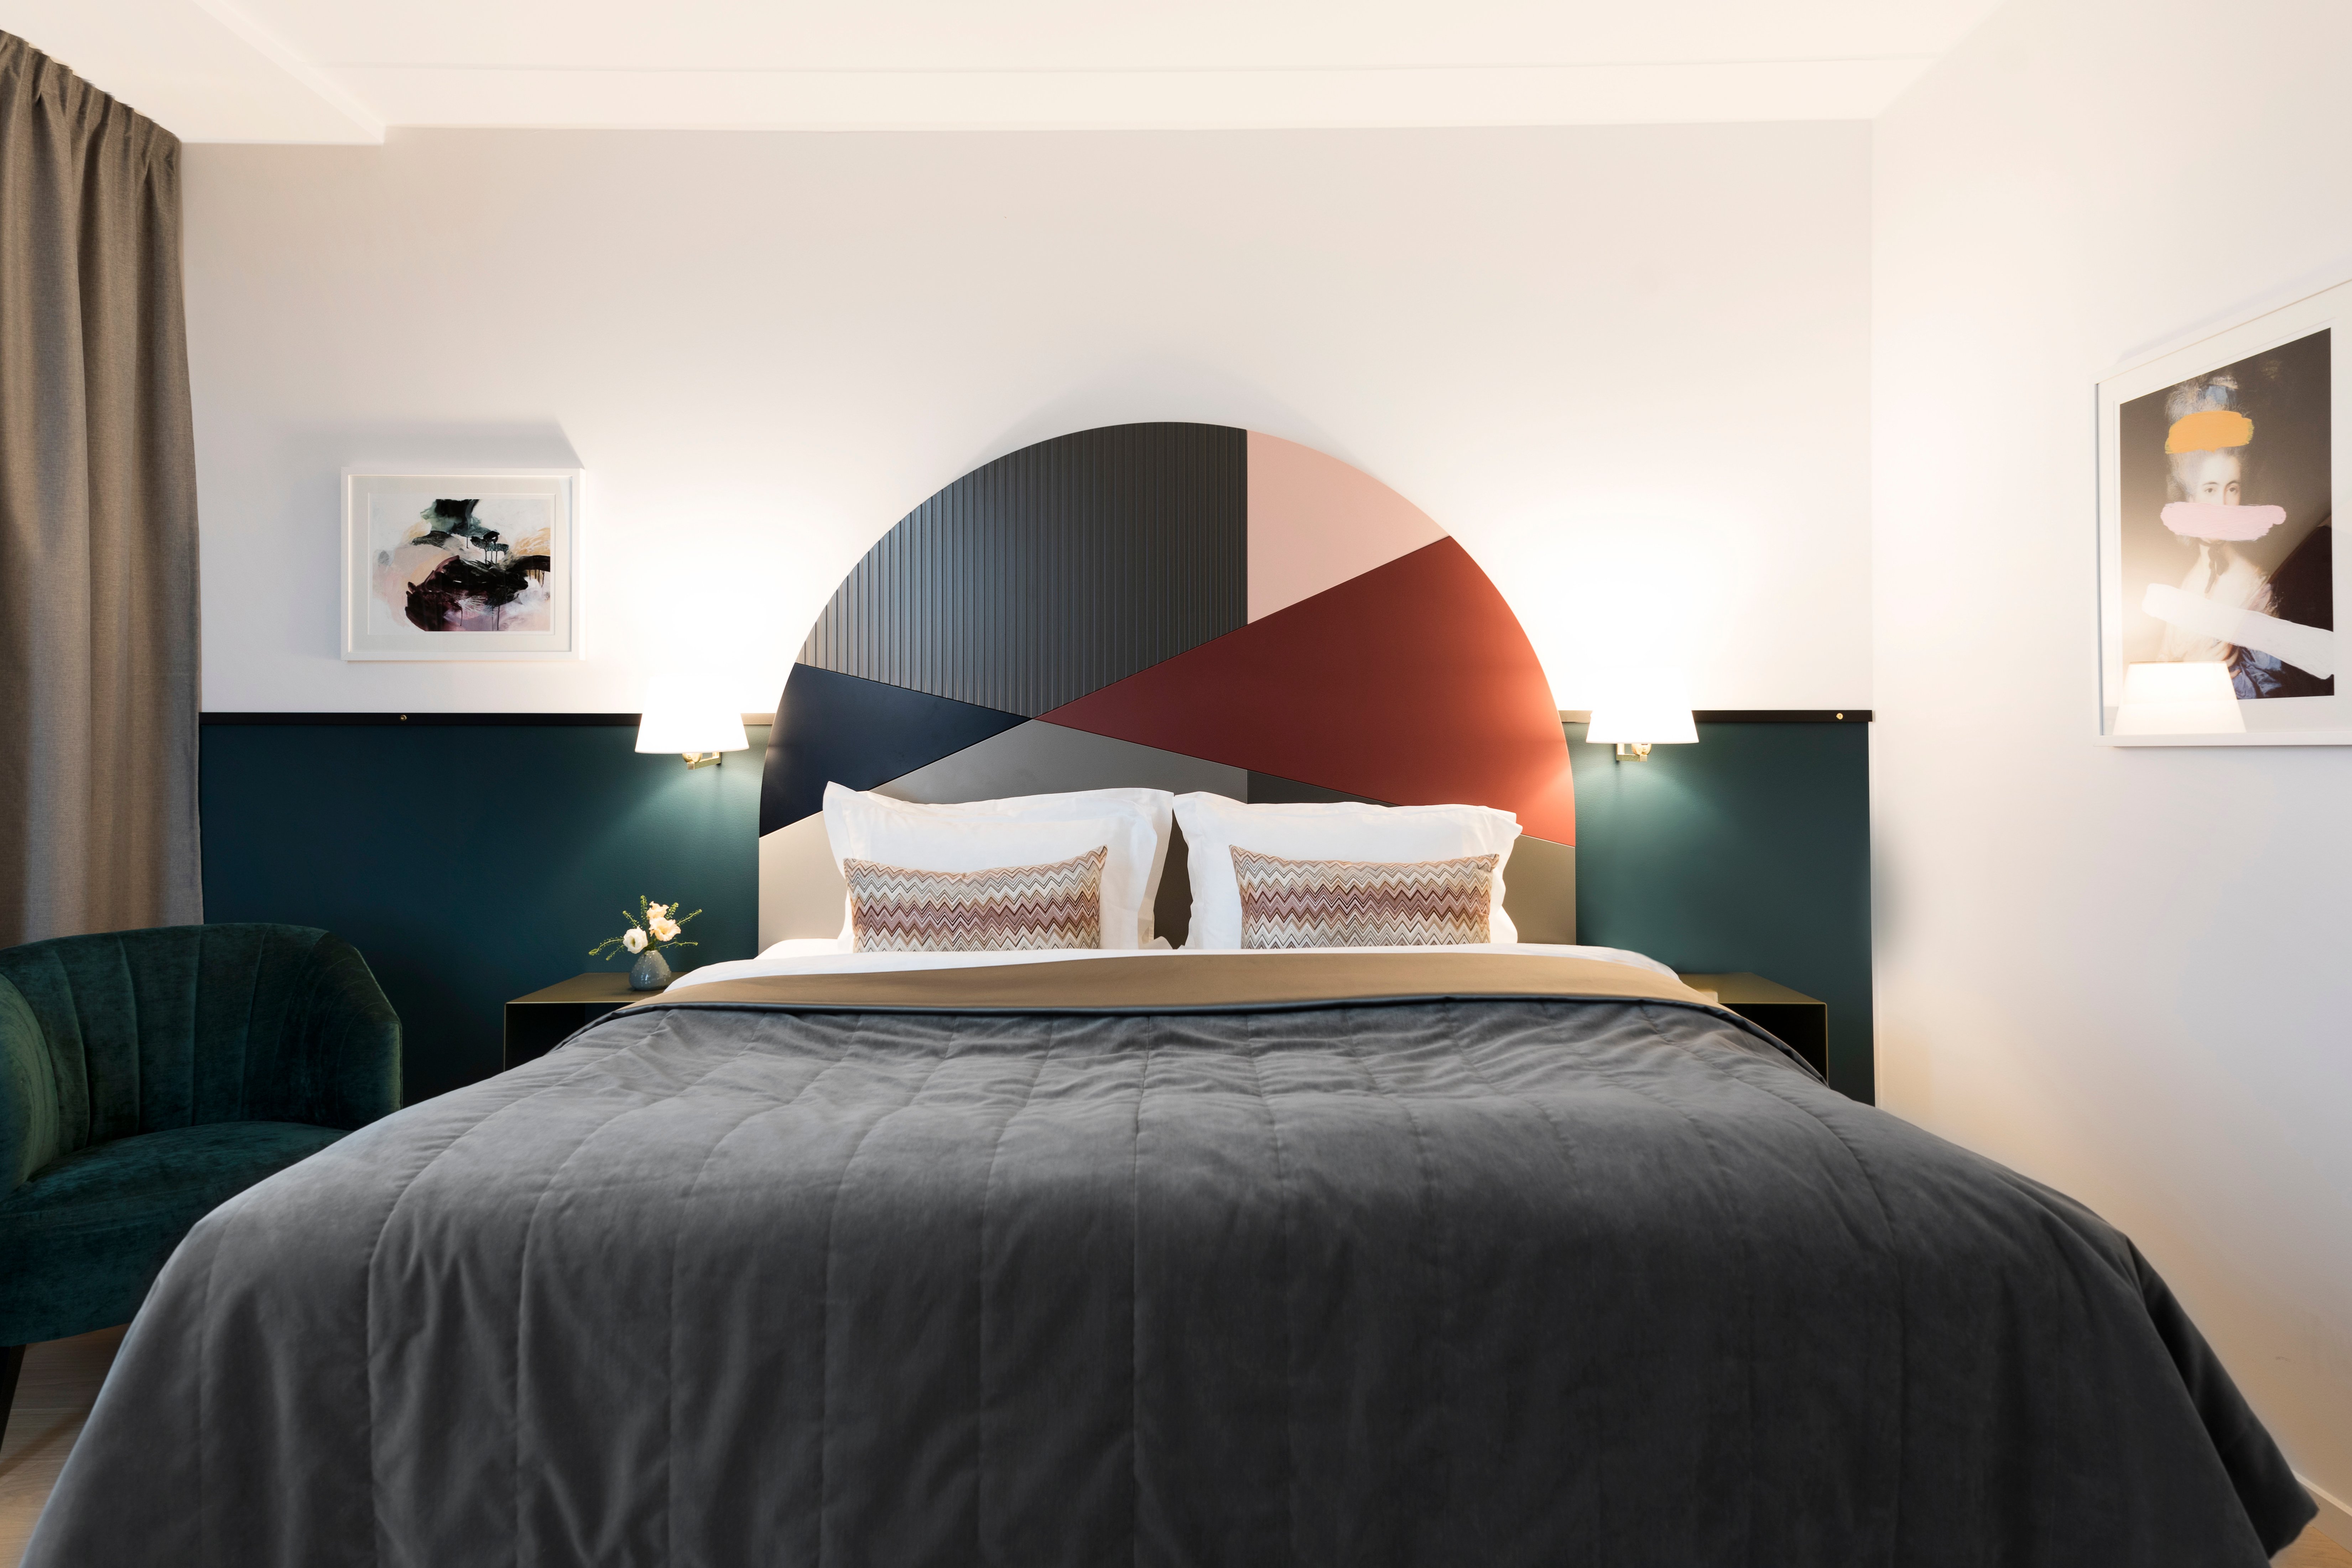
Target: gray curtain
pixel 98 515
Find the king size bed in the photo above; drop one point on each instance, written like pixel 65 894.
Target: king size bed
pixel 1480 1258
pixel 972 1225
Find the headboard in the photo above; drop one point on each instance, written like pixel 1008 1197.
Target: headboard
pixel 1178 606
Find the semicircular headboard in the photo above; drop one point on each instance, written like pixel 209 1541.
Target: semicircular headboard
pixel 1182 606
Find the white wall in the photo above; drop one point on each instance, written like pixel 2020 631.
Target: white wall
pixel 2127 973
pixel 1627 367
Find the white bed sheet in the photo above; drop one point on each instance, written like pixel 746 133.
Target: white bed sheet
pixel 818 955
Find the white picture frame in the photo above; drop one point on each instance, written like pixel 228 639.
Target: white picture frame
pixel 444 545
pixel 2183 583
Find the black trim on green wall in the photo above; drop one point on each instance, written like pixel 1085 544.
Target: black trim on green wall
pixel 1702 716
pixel 474 863
pixel 1747 851
pixel 599 721
pixel 1781 716
pixel 1751 716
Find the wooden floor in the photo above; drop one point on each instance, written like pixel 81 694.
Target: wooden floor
pixel 61 1379
pixel 2314 1550
pixel 53 1396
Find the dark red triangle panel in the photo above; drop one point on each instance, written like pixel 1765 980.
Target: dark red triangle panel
pixel 1413 683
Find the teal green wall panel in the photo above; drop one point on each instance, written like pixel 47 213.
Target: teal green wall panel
pixel 472 864
pixel 1751 851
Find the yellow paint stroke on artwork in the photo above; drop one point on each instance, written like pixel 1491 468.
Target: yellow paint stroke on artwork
pixel 2208 430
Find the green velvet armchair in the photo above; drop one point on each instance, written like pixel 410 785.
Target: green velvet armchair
pixel 147 1077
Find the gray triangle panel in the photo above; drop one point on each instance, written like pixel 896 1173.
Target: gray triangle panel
pixel 1037 758
pixel 1053 571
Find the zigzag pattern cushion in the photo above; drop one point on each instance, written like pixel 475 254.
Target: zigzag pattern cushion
pixel 1363 903
pixel 1004 909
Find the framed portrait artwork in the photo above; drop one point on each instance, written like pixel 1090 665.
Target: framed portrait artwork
pixel 2218 581
pixel 462 565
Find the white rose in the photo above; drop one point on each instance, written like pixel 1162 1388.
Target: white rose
pixel 665 929
pixel 633 939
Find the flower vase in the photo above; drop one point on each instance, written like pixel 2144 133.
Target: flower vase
pixel 651 972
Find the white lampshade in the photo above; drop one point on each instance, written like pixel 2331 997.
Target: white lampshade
pixel 1636 723
pixel 2186 699
pixel 683 718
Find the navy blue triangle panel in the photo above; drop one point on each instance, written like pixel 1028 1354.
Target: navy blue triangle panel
pixel 839 728
pixel 1053 571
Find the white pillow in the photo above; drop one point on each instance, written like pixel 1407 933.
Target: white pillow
pixel 978 837
pixel 1339 830
pixel 1071 807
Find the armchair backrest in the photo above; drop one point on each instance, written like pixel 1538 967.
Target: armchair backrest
pixel 140 1031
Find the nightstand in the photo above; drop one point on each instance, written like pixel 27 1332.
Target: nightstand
pixel 1801 1021
pixel 539 1022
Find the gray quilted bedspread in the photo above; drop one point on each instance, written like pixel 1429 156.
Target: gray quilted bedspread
pixel 1440 1283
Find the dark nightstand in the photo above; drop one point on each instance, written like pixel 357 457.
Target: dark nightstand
pixel 1802 1021
pixel 539 1022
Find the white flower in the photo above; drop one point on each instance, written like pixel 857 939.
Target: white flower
pixel 655 912
pixel 633 939
pixel 665 927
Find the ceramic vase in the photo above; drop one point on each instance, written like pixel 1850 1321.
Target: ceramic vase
pixel 651 972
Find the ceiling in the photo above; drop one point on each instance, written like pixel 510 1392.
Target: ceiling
pixel 344 70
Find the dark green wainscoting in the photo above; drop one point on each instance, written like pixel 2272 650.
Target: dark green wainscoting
pixel 1747 851
pixel 474 863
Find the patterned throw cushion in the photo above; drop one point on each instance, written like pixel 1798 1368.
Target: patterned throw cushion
pixel 1362 903
pixel 1016 908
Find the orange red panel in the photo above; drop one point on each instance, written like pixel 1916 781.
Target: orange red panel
pixel 1412 682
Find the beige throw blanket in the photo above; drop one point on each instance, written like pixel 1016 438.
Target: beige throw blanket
pixel 1204 982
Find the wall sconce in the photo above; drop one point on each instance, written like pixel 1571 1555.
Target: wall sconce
pixel 678 719
pixel 1634 728
pixel 2194 699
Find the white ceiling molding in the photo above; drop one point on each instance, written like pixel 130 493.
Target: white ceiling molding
pixel 340 71
pixel 284 56
pixel 200 69
pixel 1135 99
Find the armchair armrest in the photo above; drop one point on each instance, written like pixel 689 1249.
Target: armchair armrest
pixel 346 1037
pixel 30 1132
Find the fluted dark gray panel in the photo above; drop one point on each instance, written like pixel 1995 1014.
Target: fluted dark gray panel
pixel 1053 570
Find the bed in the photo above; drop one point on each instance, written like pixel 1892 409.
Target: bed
pixel 1475 1248
pixel 1487 1257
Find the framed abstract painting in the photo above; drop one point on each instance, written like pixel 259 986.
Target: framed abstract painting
pixel 2218 581
pixel 481 566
